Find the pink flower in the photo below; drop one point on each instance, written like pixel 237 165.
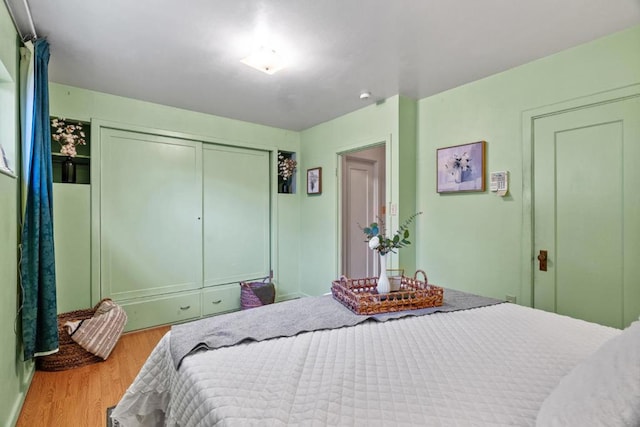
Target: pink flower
pixel 68 136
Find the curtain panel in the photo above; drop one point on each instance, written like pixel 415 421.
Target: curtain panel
pixel 37 267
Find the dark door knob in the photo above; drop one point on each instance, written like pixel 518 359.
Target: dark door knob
pixel 542 261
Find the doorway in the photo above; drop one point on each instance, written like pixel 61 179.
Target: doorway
pixel 363 201
pixel 586 205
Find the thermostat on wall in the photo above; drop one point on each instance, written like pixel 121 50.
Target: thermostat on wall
pixel 500 183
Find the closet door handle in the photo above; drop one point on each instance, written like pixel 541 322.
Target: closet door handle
pixel 187 307
pixel 216 302
pixel 542 260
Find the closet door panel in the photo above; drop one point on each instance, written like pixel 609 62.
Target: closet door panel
pixel 150 206
pixel 236 214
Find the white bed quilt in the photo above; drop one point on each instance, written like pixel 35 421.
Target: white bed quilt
pixel 488 366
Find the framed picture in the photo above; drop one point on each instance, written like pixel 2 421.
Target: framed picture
pixel 461 168
pixel 314 181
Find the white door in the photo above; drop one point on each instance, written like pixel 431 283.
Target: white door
pixel 360 197
pixel 587 212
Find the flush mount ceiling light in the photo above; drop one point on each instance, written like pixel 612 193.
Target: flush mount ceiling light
pixel 365 95
pixel 265 59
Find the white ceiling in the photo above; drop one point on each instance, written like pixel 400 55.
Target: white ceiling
pixel 187 53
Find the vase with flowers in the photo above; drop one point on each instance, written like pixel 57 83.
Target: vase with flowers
pixel 69 135
pixel 286 168
pixel 457 165
pixel 379 242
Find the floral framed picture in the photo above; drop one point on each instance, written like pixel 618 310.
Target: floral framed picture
pixel 461 168
pixel 314 181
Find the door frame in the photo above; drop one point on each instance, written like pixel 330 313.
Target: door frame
pixel 528 117
pixel 346 159
pixel 345 151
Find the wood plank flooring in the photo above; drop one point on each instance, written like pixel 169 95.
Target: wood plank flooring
pixel 81 396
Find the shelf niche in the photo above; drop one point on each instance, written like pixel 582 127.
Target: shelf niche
pixel 286 186
pixel 82 160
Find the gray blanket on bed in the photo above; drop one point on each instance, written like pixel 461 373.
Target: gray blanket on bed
pixel 290 318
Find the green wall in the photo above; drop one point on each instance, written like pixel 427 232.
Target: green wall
pixel 408 115
pixel 474 241
pixel 321 145
pixel 82 104
pixel 15 376
pixel 471 241
pixel 76 103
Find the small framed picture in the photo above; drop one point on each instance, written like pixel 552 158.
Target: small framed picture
pixel 461 168
pixel 314 181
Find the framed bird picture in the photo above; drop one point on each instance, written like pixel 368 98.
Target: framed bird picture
pixel 314 181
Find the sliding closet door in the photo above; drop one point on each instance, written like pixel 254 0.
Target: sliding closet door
pixel 236 214
pixel 150 210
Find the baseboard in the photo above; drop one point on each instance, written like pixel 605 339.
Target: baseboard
pixel 292 295
pixel 20 397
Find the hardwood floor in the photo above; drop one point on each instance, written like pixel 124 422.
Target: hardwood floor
pixel 81 396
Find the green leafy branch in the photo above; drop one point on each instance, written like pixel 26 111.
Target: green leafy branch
pixel 380 242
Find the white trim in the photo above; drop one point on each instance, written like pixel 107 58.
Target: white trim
pixel 337 166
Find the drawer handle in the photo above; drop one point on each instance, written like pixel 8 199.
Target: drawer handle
pixel 185 307
pixel 216 302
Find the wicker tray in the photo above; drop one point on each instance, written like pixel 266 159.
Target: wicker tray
pixel 362 297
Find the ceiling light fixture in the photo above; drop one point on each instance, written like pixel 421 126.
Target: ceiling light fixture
pixel 265 59
pixel 365 95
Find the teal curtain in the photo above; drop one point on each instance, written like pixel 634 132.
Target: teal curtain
pixel 37 268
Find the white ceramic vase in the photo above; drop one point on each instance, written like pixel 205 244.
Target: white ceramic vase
pixel 384 286
pixel 457 175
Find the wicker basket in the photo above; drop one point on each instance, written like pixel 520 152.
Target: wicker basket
pixel 362 297
pixel 70 354
pixel 257 294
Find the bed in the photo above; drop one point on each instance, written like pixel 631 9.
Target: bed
pixel 500 364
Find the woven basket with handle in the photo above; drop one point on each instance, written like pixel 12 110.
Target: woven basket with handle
pixel 70 354
pixel 257 294
pixel 361 295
